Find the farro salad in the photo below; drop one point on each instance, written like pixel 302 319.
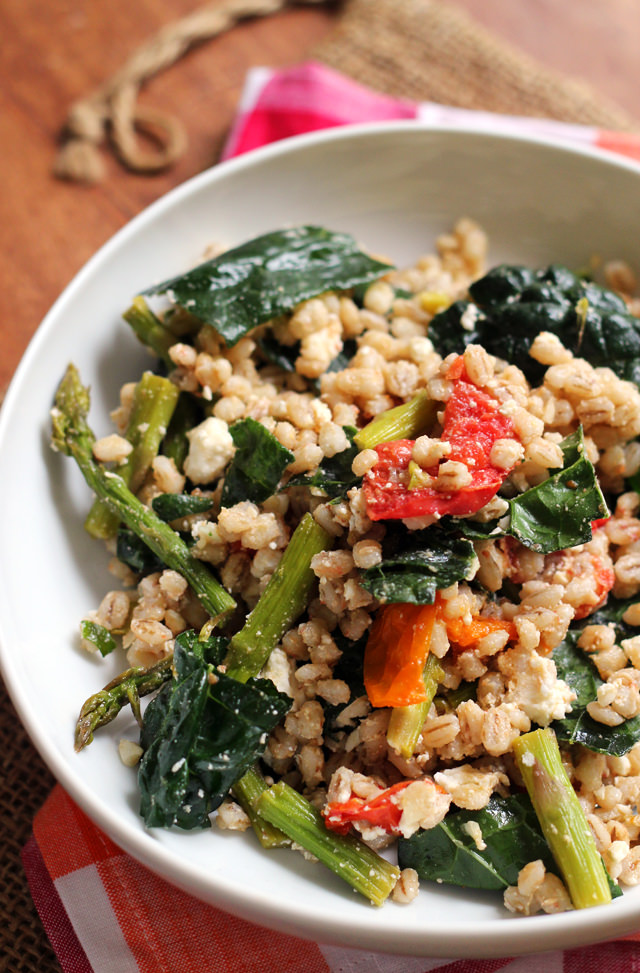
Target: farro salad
pixel 377 546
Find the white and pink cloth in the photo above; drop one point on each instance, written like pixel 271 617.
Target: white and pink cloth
pixel 102 911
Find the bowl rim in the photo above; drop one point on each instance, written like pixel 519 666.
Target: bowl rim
pixel 505 936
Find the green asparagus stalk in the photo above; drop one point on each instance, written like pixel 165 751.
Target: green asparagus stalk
pixel 282 601
pixel 73 436
pixel 351 859
pixel 406 722
pixel 128 687
pixel 247 790
pixel 154 401
pixel 561 818
pixel 150 329
pixel 405 421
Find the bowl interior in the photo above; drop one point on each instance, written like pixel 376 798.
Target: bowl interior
pixel 395 187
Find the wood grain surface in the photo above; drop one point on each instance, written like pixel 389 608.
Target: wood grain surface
pixel 56 51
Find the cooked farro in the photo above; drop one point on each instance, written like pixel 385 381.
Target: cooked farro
pixel 477 534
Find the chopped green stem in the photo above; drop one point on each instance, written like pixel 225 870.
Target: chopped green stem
pixel 128 687
pixel 247 790
pixel 154 402
pixel 73 436
pixel 405 421
pixel 406 722
pixel 351 859
pixel 150 329
pixel 561 818
pixel 281 602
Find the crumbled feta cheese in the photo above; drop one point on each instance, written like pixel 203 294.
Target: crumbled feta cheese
pixel 469 317
pixel 279 669
pixel 535 687
pixel 210 449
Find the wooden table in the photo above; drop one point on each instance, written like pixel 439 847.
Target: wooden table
pixel 56 51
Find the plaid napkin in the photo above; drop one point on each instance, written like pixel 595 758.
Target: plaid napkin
pixel 102 911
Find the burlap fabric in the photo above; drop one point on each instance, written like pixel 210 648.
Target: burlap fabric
pixel 431 50
pixel 418 49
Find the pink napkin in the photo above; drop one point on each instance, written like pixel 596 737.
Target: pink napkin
pixel 102 911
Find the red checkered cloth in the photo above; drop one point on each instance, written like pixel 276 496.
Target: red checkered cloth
pixel 104 912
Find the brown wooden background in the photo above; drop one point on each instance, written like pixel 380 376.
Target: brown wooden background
pixel 54 51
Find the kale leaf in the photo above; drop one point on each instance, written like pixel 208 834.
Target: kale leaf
pixel 268 276
pixel 334 475
pixel 257 466
pixel 349 668
pixel 416 563
pixel 515 304
pixel 188 413
pixel 133 551
pixel 284 356
pixel 558 512
pixel 581 675
pixel 173 506
pixel 200 734
pixel 448 853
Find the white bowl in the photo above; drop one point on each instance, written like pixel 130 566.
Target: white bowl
pixel 395 186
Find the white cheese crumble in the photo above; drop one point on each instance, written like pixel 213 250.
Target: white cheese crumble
pixel 210 449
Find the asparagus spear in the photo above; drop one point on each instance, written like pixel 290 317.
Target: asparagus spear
pixel 282 601
pixel 128 687
pixel 351 859
pixel 154 401
pixel 561 818
pixel 73 436
pixel 405 421
pixel 150 329
pixel 406 722
pixel 247 791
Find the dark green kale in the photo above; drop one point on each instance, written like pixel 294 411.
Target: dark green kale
pixel 334 476
pixel 200 734
pixel 448 852
pixel 174 506
pixel 257 466
pixel 188 414
pixel 284 356
pixel 415 564
pixel 558 513
pixel 132 551
pixel 515 304
pixel 268 276
pixel 348 668
pixel 577 670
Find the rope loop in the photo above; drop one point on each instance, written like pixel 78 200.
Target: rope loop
pixel 113 112
pixel 129 120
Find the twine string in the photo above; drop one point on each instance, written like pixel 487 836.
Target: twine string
pixel 112 111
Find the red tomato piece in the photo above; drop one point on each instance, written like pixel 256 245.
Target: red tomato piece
pixel 380 811
pixel 472 424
